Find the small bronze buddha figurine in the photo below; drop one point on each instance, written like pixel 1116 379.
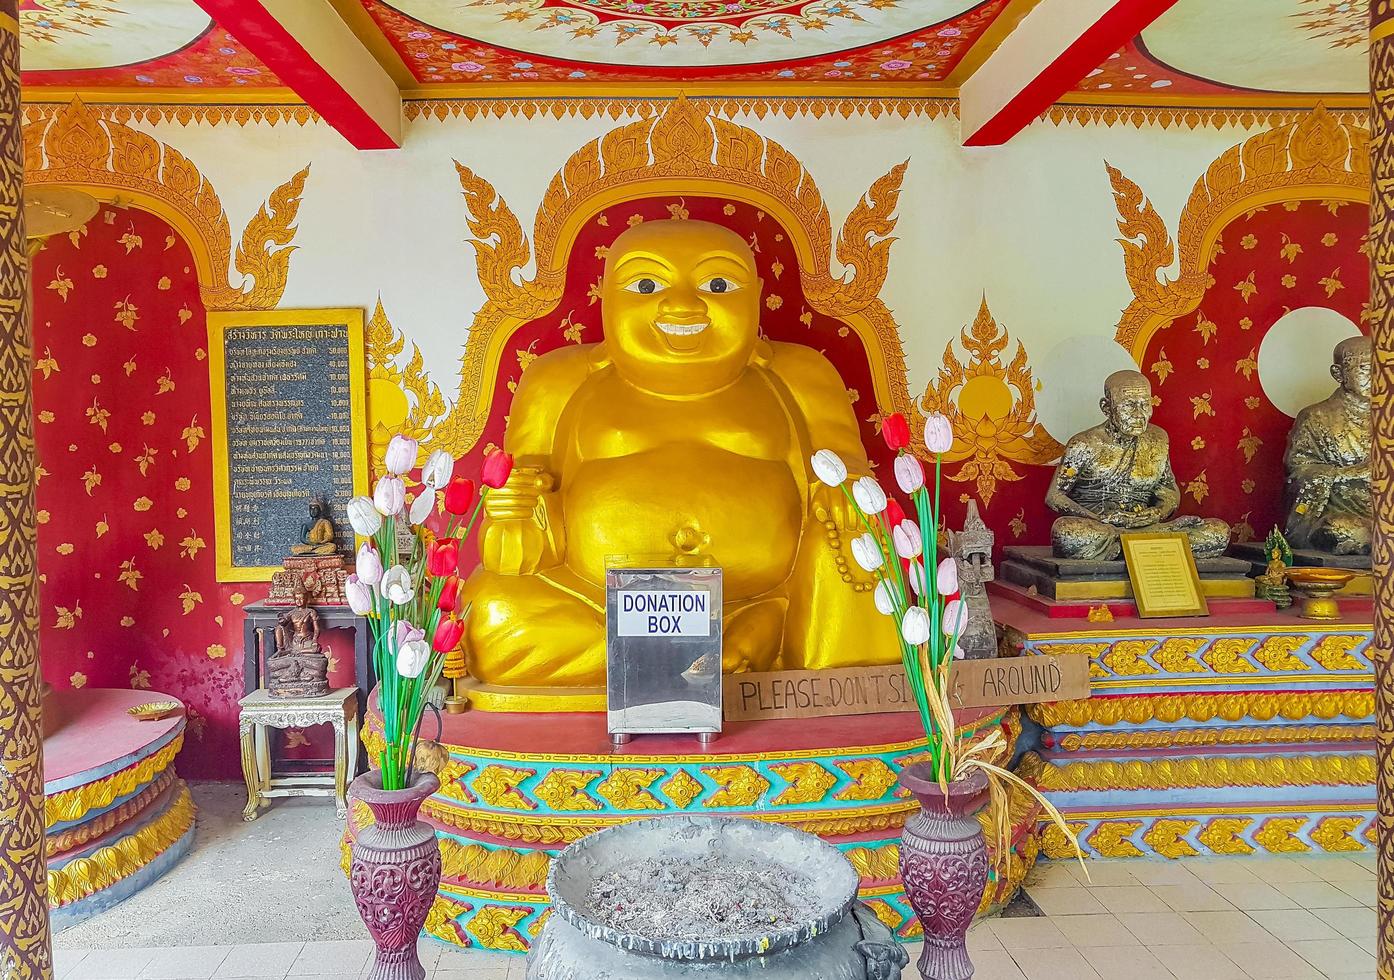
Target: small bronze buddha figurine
pixel 318 535
pixel 1328 461
pixel 298 668
pixel 1116 478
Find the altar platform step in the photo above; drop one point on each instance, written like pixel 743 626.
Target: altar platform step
pixel 1241 732
pixel 505 810
pixel 116 814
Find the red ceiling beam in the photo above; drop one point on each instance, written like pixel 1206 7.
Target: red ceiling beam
pixel 315 54
pixel 1056 45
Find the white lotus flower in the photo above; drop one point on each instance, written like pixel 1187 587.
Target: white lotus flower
pixel 884 598
pixel 909 473
pixel 829 468
pixel 914 626
pixel 364 517
pixel 396 585
pixel 867 552
pixel 907 539
pixel 870 498
pixel 438 469
pixel 946 582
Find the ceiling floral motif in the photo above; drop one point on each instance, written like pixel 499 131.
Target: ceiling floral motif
pixel 495 40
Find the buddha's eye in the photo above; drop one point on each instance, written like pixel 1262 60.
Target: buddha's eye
pixel 645 285
pixel 719 284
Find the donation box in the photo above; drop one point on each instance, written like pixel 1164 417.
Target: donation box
pixel 663 647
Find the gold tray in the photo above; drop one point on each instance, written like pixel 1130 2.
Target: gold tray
pixel 155 710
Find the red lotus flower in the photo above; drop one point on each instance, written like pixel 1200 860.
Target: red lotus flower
pixel 448 633
pixel 449 594
pixel 896 431
pixel 443 557
pixel 894 513
pixel 459 495
pixel 497 466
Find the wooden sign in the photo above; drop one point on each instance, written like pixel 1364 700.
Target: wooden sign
pixel 817 693
pixel 1020 680
pixel 881 690
pixel 289 423
pixel 1163 572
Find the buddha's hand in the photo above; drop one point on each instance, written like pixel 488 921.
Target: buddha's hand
pixel 516 539
pixel 831 504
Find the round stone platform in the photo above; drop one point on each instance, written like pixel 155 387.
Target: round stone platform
pixel 509 802
pixel 116 815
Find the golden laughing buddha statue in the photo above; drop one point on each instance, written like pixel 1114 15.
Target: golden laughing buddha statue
pixel 685 434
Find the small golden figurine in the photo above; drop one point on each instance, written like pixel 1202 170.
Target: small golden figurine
pixel 1330 506
pixel 298 668
pixel 1117 478
pixel 1273 583
pixel 318 535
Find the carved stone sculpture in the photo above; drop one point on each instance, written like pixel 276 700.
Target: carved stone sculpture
pixel 298 668
pixel 972 551
pixel 1117 478
pixel 1328 461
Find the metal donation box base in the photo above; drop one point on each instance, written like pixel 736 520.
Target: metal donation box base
pixel 663 646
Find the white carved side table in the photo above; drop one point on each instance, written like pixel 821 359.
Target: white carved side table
pixel 260 711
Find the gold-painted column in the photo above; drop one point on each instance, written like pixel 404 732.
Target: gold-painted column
pixel 24 930
pixel 1382 463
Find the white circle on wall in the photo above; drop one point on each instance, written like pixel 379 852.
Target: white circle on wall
pixel 1294 358
pixel 1072 377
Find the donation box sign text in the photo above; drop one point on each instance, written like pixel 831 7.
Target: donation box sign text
pixel 655 613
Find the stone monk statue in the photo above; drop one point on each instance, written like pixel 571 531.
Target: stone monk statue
pixel 683 433
pixel 1116 478
pixel 298 668
pixel 1328 461
pixel 318 536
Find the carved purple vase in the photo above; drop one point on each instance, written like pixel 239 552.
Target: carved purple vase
pixel 395 872
pixel 943 863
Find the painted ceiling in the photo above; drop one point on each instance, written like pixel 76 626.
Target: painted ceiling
pixel 448 41
pixel 1244 48
pixel 1230 51
pixel 131 44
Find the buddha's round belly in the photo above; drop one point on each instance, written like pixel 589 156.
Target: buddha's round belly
pixel 745 513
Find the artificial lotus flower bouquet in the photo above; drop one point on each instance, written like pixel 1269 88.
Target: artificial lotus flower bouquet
pixel 918 590
pixel 413 606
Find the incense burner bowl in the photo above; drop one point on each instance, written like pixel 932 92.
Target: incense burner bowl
pixel 842 939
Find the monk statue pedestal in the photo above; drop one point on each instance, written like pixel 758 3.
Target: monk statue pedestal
pixel 321 576
pixel 1080 580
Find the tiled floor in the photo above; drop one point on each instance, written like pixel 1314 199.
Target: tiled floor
pixel 1280 918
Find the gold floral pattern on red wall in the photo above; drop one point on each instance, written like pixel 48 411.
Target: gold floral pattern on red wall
pixel 128 593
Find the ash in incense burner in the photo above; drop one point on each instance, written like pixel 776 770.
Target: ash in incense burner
pixel 691 897
pixel 686 898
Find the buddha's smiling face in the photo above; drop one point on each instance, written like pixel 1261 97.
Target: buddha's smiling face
pixel 681 305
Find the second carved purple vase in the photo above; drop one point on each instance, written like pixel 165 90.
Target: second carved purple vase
pixel 943 863
pixel 395 872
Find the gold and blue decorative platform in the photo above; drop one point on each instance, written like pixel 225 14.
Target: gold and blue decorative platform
pixel 506 807
pixel 116 815
pixel 1237 733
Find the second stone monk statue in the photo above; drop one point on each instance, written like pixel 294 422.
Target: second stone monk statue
pixel 683 433
pixel 1117 478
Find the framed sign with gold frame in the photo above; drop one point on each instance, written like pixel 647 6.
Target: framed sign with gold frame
pixel 289 424
pixel 1163 572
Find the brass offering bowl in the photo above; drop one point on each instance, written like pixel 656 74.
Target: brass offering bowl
pixel 155 710
pixel 1318 587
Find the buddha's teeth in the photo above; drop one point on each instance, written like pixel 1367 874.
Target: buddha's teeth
pixel 682 329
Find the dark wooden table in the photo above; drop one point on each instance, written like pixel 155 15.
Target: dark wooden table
pixel 261 621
